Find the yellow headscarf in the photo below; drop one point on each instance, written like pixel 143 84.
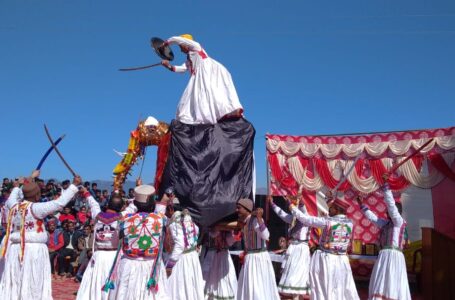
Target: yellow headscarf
pixel 187 36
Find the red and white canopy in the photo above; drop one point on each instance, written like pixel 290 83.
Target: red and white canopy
pixel 313 163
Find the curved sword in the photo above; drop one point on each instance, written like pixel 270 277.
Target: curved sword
pixel 140 68
pixel 43 159
pixel 57 151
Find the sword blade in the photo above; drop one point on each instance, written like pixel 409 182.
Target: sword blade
pixel 57 151
pixel 140 68
pixel 43 159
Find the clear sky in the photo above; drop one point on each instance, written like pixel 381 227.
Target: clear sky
pixel 300 67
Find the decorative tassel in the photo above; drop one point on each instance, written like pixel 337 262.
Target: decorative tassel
pixel 151 284
pixel 108 286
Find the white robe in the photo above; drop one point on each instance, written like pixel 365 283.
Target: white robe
pixel 210 93
pixel 30 280
pixel 257 277
pixel 100 264
pixel 185 282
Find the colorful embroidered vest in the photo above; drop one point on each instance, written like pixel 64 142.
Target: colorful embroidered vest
pixel 252 240
pixel 23 227
pixel 190 233
pixel 106 231
pixel 336 236
pixel 388 235
pixel 143 234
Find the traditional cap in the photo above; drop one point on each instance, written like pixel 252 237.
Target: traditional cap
pixel 246 203
pixel 187 36
pixel 142 192
pixel 340 203
pixel 151 121
pixel 30 189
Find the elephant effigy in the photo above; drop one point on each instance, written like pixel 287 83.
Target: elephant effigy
pixel 210 166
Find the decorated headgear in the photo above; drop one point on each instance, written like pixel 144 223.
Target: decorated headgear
pixel 142 192
pixel 187 36
pixel 30 189
pixel 246 203
pixel 342 203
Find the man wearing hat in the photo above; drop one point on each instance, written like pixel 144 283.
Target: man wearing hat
pixel 257 277
pixel 210 94
pixel 141 272
pixel 106 244
pixel 330 271
pixel 27 273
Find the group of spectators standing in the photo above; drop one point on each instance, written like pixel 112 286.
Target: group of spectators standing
pixel 70 230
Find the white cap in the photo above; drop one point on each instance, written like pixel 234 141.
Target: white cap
pixel 142 192
pixel 151 121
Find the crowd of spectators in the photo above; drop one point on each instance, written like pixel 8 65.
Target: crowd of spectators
pixel 70 230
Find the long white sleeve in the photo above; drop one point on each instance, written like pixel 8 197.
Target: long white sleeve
pixel 373 217
pixel 282 214
pixel 15 196
pixel 95 208
pixel 42 210
pixel 261 230
pixel 194 46
pixel 180 69
pixel 306 219
pixel 392 208
pixel 177 238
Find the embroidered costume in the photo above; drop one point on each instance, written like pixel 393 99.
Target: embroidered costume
pixel 27 271
pixel 296 265
pixel 257 277
pixel 330 271
pixel 389 279
pixel 186 280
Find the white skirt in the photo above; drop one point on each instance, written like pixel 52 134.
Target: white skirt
pixel 32 280
pixel 95 276
pixel 186 280
pixel 133 276
pixel 389 279
pixel 296 270
pixel 209 95
pixel 331 277
pixel 222 281
pixel 257 278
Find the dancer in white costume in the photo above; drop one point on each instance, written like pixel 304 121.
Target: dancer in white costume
pixel 106 243
pixel 389 279
pixel 141 272
pixel 184 267
pixel 296 265
pixel 27 273
pixel 330 271
pixel 222 280
pixel 257 277
pixel 210 94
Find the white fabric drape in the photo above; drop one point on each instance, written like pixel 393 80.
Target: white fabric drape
pixel 290 148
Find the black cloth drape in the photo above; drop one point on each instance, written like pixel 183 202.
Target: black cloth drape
pixel 210 167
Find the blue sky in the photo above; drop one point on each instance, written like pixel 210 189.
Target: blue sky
pixel 300 67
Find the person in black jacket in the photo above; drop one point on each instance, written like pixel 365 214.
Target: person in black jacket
pixel 69 251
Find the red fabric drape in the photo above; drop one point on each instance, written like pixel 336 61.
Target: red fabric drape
pixel 161 158
pixel 281 175
pixel 324 172
pixel 378 169
pixel 440 164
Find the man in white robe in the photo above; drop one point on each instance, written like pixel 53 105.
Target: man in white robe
pixel 27 273
pixel 210 94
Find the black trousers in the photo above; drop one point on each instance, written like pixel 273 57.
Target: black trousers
pixel 52 256
pixel 65 258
